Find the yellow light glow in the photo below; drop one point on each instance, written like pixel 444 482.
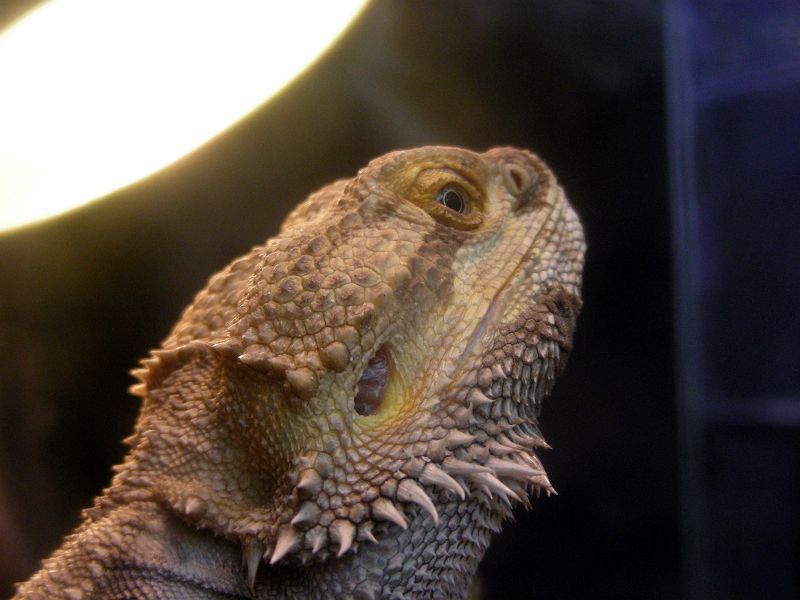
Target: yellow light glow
pixel 96 94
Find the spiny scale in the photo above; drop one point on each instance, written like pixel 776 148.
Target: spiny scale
pixel 310 483
pixel 508 468
pixel 409 491
pixel 386 510
pixel 493 484
pixel 342 532
pixel 252 552
pixel 457 438
pixel 317 541
pixel 457 466
pixel 288 541
pixel 307 515
pixel 478 398
pixel 433 475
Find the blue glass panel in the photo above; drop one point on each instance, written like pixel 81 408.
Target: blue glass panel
pixel 734 126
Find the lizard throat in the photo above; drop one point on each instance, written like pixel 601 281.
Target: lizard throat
pixel 526 265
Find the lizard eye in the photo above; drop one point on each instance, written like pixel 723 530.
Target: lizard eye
pixel 454 199
pixel 451 196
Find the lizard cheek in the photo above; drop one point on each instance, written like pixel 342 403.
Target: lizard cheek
pixel 372 385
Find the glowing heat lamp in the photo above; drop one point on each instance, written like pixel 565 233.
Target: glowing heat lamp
pixel 96 94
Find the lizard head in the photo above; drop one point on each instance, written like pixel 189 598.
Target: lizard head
pixel 382 358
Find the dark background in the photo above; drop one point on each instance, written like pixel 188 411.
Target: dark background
pixel 83 297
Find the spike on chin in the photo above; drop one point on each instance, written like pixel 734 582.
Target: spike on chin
pixel 409 491
pixel 386 510
pixel 288 541
pixel 252 552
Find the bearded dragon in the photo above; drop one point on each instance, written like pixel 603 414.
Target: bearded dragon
pixel 352 409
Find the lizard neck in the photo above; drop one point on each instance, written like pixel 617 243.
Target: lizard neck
pixel 425 561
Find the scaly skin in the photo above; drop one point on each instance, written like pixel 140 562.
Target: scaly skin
pixel 350 410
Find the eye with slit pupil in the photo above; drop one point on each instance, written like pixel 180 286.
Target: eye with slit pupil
pixel 453 199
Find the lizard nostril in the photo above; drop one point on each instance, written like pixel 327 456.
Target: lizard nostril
pixel 517 178
pixel 372 384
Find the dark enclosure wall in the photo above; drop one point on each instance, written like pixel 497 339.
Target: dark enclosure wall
pixel 734 137
pixel 83 297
